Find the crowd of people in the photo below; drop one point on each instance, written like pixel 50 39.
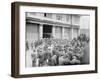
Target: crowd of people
pixel 56 52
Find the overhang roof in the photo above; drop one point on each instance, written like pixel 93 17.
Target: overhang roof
pixel 43 20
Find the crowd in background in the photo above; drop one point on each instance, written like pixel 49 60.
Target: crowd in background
pixel 55 52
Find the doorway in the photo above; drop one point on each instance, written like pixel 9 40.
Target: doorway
pixel 47 31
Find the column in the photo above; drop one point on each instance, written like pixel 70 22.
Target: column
pixel 41 31
pixel 53 31
pixel 72 33
pixel 78 31
pixel 62 32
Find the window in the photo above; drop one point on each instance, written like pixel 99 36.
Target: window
pixel 32 32
pixel 48 15
pixel 76 19
pixel 45 14
pixel 59 17
pixel 58 32
pixel 75 31
pixel 47 31
pixel 67 18
pixel 67 33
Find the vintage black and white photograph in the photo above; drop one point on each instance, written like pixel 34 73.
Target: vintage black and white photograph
pixel 56 39
pixel 52 39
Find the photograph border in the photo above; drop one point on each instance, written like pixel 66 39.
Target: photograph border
pixel 15 32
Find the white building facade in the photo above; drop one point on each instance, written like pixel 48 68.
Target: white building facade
pixel 45 25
